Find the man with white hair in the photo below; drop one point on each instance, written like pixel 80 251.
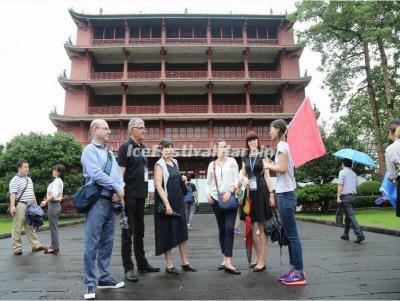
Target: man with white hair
pixel 100 219
pixel 133 165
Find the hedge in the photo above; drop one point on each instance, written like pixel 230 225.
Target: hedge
pixel 369 188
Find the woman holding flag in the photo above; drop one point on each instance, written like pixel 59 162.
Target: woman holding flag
pixel 285 192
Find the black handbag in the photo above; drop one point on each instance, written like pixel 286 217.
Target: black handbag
pixel 85 197
pixel 274 229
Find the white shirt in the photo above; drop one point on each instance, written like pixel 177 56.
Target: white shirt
pixel 285 181
pixel 227 176
pixel 56 189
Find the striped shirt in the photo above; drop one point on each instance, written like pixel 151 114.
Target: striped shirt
pixel 17 185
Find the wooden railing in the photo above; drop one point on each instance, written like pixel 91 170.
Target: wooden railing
pixel 229 108
pixel 108 75
pixel 266 109
pixel 186 74
pixel 262 41
pixel 153 41
pixel 105 110
pixel 227 41
pixel 265 74
pixel 186 41
pixel 189 41
pixel 186 109
pixel 228 74
pixel 106 42
pixel 143 109
pixel 144 74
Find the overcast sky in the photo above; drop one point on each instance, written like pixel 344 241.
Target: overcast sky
pixel 32 54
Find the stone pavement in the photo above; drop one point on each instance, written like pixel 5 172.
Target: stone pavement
pixel 335 269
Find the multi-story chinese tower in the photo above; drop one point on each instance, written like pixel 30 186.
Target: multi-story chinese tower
pixel 191 77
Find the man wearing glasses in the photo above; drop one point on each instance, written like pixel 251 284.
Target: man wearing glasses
pixel 133 166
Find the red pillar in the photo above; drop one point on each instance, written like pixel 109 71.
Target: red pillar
pixel 244 33
pixel 126 57
pixel 163 53
pixel 124 95
pixel 127 33
pixel 209 32
pixel 163 33
pixel 209 63
pixel 210 133
pixel 87 98
pixel 248 106
pixel 210 102
pixel 162 98
pixel 246 62
pixel 162 130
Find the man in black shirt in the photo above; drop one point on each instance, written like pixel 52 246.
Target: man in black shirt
pixel 133 165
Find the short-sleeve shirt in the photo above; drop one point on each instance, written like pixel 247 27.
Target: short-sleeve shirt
pixel 348 178
pixel 17 185
pixel 56 189
pixel 285 180
pixel 132 156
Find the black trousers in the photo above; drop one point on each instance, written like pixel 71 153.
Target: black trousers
pixel 226 223
pixel 134 209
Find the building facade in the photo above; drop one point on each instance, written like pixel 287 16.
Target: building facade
pixel 192 77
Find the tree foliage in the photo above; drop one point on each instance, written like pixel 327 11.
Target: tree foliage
pixel 42 152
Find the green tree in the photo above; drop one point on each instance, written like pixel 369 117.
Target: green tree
pixel 352 37
pixel 326 168
pixel 42 152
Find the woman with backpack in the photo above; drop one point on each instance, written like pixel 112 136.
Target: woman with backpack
pixel 285 193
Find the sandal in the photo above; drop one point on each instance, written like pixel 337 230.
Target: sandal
pixel 18 252
pixel 52 251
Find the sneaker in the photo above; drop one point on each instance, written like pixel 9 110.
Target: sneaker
pixel 285 275
pixel 344 237
pixel 124 223
pixel 295 279
pixel 90 293
pixel 359 240
pixel 189 227
pixel 110 284
pixel 237 230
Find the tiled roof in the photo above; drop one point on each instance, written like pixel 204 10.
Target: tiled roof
pixel 86 17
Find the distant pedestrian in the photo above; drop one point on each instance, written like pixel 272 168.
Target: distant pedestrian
pixel 346 196
pixel 53 202
pixel 392 158
pixel 191 201
pixel 22 194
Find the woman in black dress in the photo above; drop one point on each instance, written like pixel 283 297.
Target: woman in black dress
pixel 261 195
pixel 170 226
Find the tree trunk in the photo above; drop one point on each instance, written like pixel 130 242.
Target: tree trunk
pixel 374 110
pixel 386 80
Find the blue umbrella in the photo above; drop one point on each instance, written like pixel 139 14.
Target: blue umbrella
pixel 355 156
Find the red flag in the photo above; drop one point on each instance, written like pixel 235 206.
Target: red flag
pixel 303 136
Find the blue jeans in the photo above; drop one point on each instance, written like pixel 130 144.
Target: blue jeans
pixel 287 207
pixel 226 223
pixel 98 241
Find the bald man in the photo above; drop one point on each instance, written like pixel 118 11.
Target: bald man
pixel 99 166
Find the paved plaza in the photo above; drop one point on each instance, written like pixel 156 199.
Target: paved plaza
pixel 335 269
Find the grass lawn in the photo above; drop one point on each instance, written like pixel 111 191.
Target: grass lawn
pixel 6 222
pixel 377 217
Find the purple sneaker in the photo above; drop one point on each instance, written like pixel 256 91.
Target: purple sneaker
pixel 237 230
pixel 295 279
pixel 285 275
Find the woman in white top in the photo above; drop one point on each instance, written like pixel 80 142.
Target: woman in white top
pixel 227 176
pixel 285 193
pixel 53 201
